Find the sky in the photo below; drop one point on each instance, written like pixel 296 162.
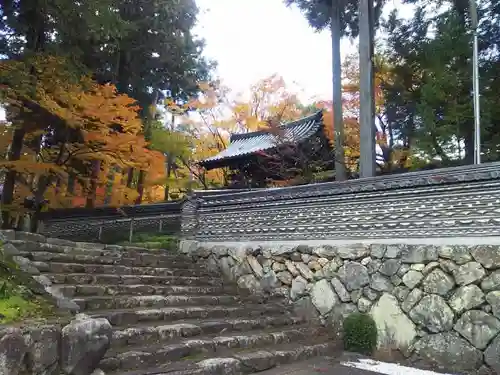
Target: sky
pixel 253 39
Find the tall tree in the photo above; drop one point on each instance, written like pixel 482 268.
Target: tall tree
pixel 343 19
pixel 428 96
pixel 73 127
pixel 142 48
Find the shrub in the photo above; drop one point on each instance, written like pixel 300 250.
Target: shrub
pixel 360 333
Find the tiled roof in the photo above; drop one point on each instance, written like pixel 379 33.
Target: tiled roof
pixel 249 143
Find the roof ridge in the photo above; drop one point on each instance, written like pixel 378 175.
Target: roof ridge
pixel 238 136
pixel 250 143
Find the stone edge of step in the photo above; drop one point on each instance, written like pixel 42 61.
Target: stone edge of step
pixel 187 312
pixel 87 247
pixel 66 255
pixel 107 269
pixel 191 328
pixel 185 348
pixel 241 363
pixel 92 290
pixel 92 303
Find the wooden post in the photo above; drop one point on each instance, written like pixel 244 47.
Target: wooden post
pixel 131 230
pixel 366 90
pixel 40 226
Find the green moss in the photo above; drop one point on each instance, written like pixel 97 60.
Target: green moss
pixel 154 241
pixel 20 296
pixel 194 357
pixel 360 333
pixel 17 308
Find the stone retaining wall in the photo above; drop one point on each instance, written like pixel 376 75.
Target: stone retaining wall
pixel 436 303
pixel 49 349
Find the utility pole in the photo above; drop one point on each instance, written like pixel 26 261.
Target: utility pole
pixel 475 83
pixel 338 120
pixel 366 90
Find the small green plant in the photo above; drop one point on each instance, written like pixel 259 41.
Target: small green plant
pixel 153 241
pixel 360 333
pixel 17 300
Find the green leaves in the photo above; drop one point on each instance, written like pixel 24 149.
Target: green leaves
pixel 429 97
pixel 139 46
pixel 170 142
pixel 360 333
pixel 317 13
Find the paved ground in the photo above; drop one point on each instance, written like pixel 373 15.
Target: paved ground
pixel 317 366
pixel 334 366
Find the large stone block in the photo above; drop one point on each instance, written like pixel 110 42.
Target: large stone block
pixel 353 275
pixel 488 256
pixel 84 343
pixel 323 297
pixel 469 273
pixel 449 351
pixel 478 327
pixel 466 298
pixel 354 251
pixel 395 329
pixel 43 354
pixel 438 282
pixel 419 254
pixel 13 348
pixel 433 313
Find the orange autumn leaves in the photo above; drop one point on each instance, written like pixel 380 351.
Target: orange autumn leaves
pixel 351 134
pixel 218 113
pixel 77 135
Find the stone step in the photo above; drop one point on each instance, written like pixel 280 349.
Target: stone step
pixel 110 259
pixel 106 279
pixel 144 333
pixel 56 267
pixel 96 250
pixel 127 317
pixel 138 357
pixel 72 291
pixel 153 301
pixel 238 362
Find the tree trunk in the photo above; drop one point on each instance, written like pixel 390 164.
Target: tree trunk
pixel 150 116
pixel 469 146
pixel 140 187
pixel 130 177
pixel 167 186
pixel 91 198
pixel 10 177
pixel 108 197
pixel 338 121
pixel 42 185
pixel 71 184
pixel 366 92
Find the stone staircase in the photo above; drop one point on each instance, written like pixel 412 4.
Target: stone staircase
pixel 171 316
